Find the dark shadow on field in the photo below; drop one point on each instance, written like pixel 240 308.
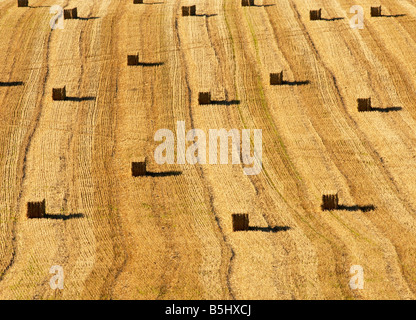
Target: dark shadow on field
pixel 163 174
pixel 225 102
pixel 295 83
pixel 392 15
pixel 264 5
pixel 333 19
pixel 269 229
pixel 365 208
pixel 80 99
pixel 389 109
pixel 34 7
pixel 88 18
pixel 63 216
pixel 207 15
pixel 11 84
pixel 151 64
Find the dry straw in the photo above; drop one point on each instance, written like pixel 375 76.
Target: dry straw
pixel 204 98
pixel 138 168
pixel 247 3
pixel 329 201
pixel 240 221
pixel 192 10
pixel 189 11
pixel 36 209
pixel 59 93
pixel 133 60
pixel 315 14
pixel 376 11
pixel 276 78
pixel 71 13
pixel 364 104
pixel 22 3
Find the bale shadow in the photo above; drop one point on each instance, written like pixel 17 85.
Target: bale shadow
pixel 11 84
pixel 389 109
pixel 393 15
pixel 264 5
pixel 225 102
pixel 86 18
pixel 150 64
pixel 34 7
pixel 365 208
pixel 63 216
pixel 80 99
pixel 269 229
pixel 333 19
pixel 295 83
pixel 163 174
pixel 207 15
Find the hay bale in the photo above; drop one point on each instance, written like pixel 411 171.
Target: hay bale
pixel 329 201
pixel 133 60
pixel 138 168
pixel 247 3
pixel 315 14
pixel 71 13
pixel 36 209
pixel 137 1
pixel 74 13
pixel 67 14
pixel 22 3
pixel 276 78
pixel 364 104
pixel 240 222
pixel 192 10
pixel 186 11
pixel 59 93
pixel 376 11
pixel 204 98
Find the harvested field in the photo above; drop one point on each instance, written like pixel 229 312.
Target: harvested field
pixel 126 228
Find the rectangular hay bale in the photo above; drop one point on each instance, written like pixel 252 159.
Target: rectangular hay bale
pixel 133 60
pixel 36 209
pixel 186 11
pixel 67 13
pixel 376 11
pixel 315 14
pixel 71 13
pixel 74 13
pixel 192 10
pixel 329 201
pixel 22 3
pixel 204 98
pixel 138 168
pixel 59 93
pixel 240 222
pixel 364 104
pixel 276 78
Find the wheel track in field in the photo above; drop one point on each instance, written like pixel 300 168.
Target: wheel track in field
pixel 25 144
pixel 207 186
